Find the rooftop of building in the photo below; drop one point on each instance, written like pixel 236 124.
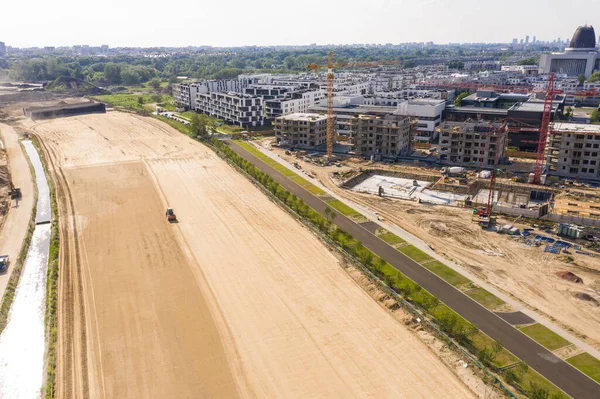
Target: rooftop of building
pixel 358 109
pixel 471 125
pixel 575 128
pixel 307 117
pixel 584 38
pixel 478 110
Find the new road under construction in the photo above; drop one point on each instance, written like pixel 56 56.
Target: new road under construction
pixel 183 273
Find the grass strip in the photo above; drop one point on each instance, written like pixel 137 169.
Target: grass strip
pixel 587 364
pixel 343 208
pixel 544 336
pixel 415 253
pixel 391 238
pixel 446 273
pixel 485 298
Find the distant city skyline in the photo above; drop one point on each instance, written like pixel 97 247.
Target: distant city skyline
pixel 229 23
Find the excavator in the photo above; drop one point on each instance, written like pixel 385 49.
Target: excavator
pixel 13 192
pixel 170 214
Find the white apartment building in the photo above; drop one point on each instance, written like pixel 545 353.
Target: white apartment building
pixel 428 111
pixel 522 69
pixel 185 93
pixel 301 130
pixel 293 103
pixel 472 144
pixel 379 137
pixel 234 108
pixel 573 151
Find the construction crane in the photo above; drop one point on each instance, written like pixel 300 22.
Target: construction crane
pixel 544 128
pixel 330 82
pixel 500 134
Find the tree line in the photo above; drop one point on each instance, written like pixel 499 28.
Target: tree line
pixel 133 70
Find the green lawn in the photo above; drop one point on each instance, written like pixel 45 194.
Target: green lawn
pixel 265 158
pixel 285 171
pixel 486 299
pixel 446 273
pixel 415 253
pixel 130 101
pixel 311 188
pixel 502 358
pixel 391 238
pixel 532 377
pixel 343 208
pixel 545 337
pixel 587 364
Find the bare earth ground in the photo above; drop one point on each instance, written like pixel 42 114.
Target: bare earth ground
pixel 236 291
pixel 526 273
pixel 13 225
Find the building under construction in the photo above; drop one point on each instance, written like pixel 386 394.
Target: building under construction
pixel 472 143
pixel 387 136
pixel 306 131
pixel 572 151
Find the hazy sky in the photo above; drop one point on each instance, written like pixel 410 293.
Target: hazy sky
pixel 145 23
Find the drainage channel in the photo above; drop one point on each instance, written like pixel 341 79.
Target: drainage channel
pixel 22 343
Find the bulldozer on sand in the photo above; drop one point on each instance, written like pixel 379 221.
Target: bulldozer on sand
pixel 170 214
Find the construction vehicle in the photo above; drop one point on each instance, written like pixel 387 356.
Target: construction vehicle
pixel 170 214
pixel 13 192
pixel 3 262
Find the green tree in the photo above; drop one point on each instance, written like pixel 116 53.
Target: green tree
pixel 112 73
pixel 538 392
pixel 595 116
pixel 130 76
pixel 459 99
pixel 580 79
pixel 140 100
pixel 154 83
pixel 595 77
pixel 198 127
pixel 409 64
pixel 527 61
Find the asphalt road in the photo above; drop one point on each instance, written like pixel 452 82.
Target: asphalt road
pixel 562 374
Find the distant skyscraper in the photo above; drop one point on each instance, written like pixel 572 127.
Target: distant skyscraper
pixel 527 39
pixel 515 41
pixel 521 41
pixel 534 40
pixel 2 48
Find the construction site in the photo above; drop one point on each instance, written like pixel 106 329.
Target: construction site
pixel 179 277
pixel 442 210
pixel 233 298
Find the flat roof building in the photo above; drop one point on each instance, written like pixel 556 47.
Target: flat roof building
pixel 580 58
pixel 387 136
pixel 472 143
pixel 301 130
pixel 572 150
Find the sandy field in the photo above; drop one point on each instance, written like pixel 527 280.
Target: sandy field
pixel 237 299
pixel 526 273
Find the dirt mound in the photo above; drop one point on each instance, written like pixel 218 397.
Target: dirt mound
pixel 565 275
pixel 68 84
pixel 585 297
